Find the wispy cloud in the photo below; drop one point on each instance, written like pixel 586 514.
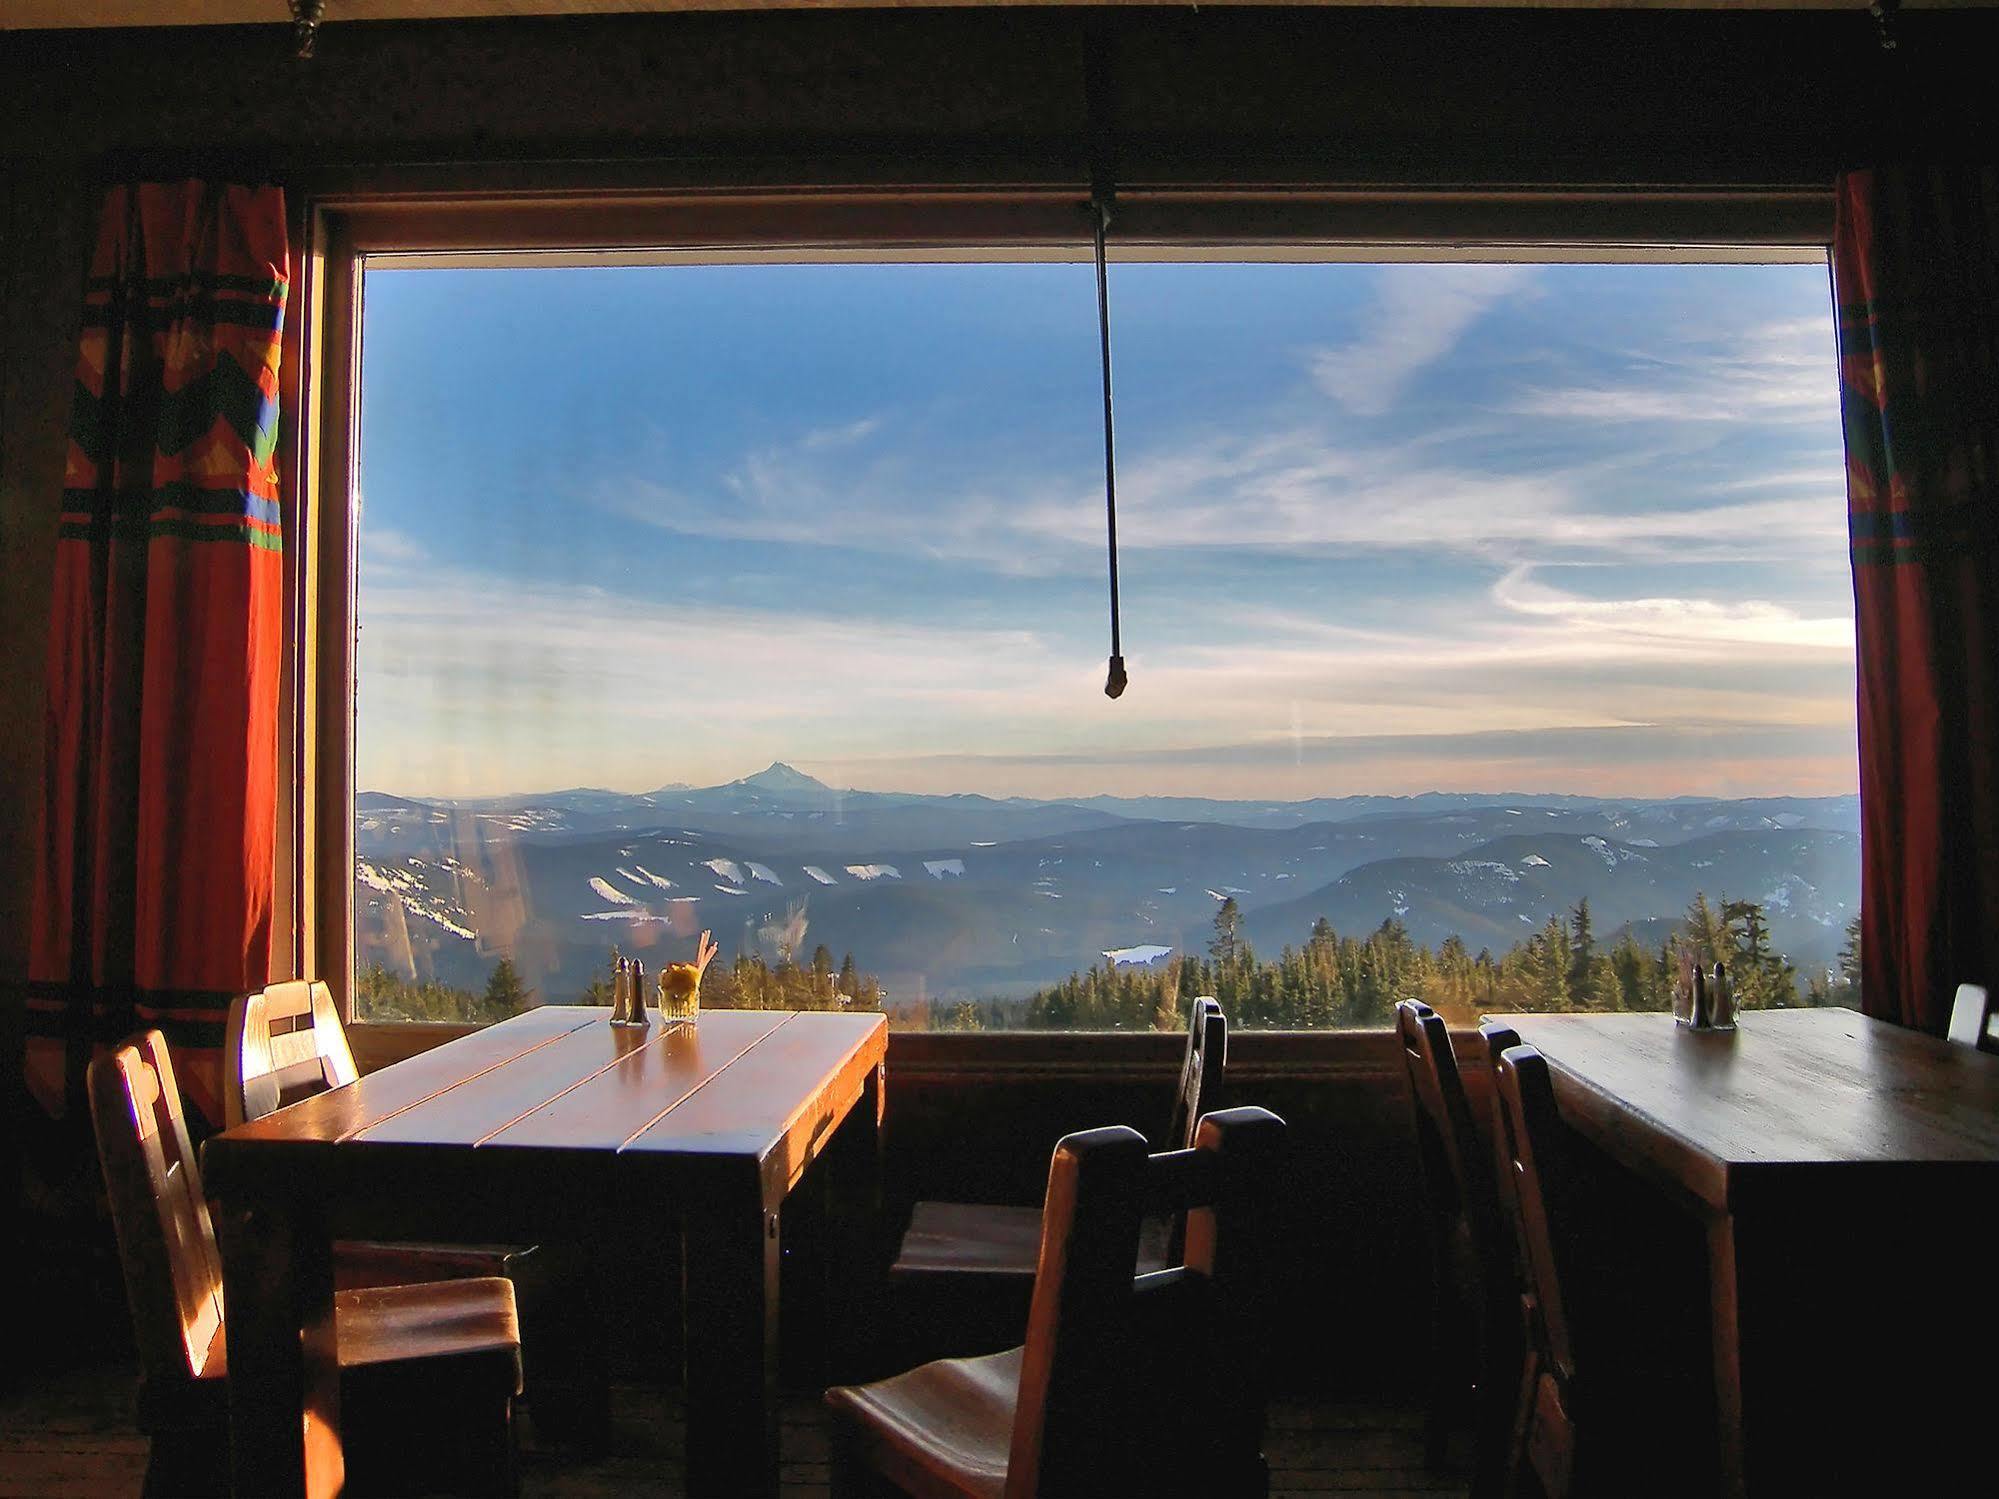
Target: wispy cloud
pixel 1680 621
pixel 1656 759
pixel 1420 313
pixel 1306 488
pixel 1779 372
pixel 1274 490
pixel 820 438
pixel 540 674
pixel 384 544
pixel 1271 475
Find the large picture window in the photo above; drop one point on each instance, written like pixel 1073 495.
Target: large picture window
pixel 1489 625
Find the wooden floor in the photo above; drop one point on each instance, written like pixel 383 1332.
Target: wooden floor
pixel 70 1436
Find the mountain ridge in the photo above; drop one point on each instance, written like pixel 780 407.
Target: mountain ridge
pixel 950 897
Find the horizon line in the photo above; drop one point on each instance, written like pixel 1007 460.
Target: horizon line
pixel 1276 801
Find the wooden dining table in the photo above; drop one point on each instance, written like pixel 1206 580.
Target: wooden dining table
pixel 1837 1164
pixel 552 1125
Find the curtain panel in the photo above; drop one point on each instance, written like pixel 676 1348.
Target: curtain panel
pixel 153 888
pixel 1916 280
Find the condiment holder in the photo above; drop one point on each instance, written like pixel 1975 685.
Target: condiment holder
pixel 628 1002
pixel 1702 1001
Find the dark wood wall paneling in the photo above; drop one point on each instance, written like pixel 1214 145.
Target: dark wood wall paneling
pixel 1231 94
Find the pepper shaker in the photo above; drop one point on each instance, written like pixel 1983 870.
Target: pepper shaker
pixel 1721 1000
pixel 629 1005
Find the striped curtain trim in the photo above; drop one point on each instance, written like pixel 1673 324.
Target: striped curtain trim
pixel 193 1017
pixel 1932 534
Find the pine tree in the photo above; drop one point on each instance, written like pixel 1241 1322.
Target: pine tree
pixel 1227 943
pixel 1551 964
pixel 505 993
pixel 1167 1012
pixel 1636 976
pixel 1707 931
pixel 1753 942
pixel 1582 951
pixel 1846 984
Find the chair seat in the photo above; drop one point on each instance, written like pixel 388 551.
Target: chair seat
pixel 380 1328
pixel 446 1319
pixel 380 1325
pixel 978 1238
pixel 942 1429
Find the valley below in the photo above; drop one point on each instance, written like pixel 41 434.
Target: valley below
pixel 948 900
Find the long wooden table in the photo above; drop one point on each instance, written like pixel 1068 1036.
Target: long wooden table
pixel 1837 1163
pixel 553 1124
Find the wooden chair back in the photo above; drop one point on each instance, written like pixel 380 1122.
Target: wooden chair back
pixel 1457 1185
pixel 1531 1153
pixel 282 1044
pixel 1201 1072
pixel 1105 1345
pixel 1971 1018
pixel 1498 1040
pixel 166 1243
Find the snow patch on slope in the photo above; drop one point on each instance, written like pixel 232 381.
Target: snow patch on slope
pixel 409 891
pixel 611 892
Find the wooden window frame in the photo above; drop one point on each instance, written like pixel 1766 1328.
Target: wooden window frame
pixel 650 214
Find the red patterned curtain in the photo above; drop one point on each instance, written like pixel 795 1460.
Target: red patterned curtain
pixel 153 884
pixel 1916 277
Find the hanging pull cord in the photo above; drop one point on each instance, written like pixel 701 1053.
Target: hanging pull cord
pixel 1114 683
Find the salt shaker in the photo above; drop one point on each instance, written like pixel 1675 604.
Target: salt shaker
pixel 629 1003
pixel 1683 987
pixel 1721 1001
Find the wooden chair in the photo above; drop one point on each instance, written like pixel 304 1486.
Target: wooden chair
pixel 1549 1443
pixel 1475 1294
pixel 996 1241
pixel 431 1368
pixel 285 1043
pixel 1971 1018
pixel 1128 1383
pixel 282 1044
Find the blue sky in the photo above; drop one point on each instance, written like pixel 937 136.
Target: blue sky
pixel 1384 528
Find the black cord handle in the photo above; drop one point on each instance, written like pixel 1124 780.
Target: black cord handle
pixel 1114 683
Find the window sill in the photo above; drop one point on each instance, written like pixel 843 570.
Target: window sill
pixel 941 1056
